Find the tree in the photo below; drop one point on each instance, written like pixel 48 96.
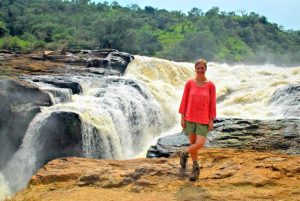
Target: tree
pixel 116 31
pixel 194 46
pixel 195 12
pixel 149 10
pixel 3 30
pixel 213 12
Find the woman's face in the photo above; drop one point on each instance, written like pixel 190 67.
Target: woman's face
pixel 200 68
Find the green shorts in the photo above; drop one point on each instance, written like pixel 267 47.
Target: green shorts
pixel 195 128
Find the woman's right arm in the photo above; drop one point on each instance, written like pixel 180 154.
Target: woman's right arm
pixel 184 102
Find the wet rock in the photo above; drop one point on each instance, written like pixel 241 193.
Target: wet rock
pixel 61 136
pixel 288 95
pixel 114 60
pixel 58 81
pixel 103 71
pixel 20 102
pixel 281 135
pixel 288 100
pixel 262 135
pixel 167 145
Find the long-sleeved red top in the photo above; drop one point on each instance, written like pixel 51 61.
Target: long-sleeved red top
pixel 198 103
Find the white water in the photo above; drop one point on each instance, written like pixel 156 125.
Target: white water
pixel 165 79
pixel 4 190
pixel 118 117
pixel 24 162
pixel 57 95
pixel 243 91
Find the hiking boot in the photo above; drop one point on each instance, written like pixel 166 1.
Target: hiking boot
pixel 195 171
pixel 183 173
pixel 183 155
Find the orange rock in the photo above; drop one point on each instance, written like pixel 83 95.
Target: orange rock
pixel 226 174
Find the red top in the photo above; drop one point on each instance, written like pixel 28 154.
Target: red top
pixel 198 103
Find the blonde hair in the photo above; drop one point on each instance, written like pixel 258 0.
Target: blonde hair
pixel 203 61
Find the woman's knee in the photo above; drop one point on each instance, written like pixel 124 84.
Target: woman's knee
pixel 200 141
pixel 192 138
pixel 200 138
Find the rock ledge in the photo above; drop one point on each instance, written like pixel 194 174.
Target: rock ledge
pixel 226 174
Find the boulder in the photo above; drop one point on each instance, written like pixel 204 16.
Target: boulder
pixel 114 60
pixel 168 145
pixel 287 99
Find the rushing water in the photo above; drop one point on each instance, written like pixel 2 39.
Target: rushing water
pixel 4 190
pixel 120 117
pixel 242 91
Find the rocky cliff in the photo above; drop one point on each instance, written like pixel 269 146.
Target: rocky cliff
pixel 226 174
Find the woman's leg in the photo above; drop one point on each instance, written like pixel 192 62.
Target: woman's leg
pixel 193 149
pixel 192 138
pixel 184 155
pixel 198 143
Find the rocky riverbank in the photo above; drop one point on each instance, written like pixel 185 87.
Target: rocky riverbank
pixel 226 174
pixel 282 135
pixel 102 62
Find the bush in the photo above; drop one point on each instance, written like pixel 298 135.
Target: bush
pixel 15 44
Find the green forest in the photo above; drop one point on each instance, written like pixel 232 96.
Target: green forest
pixel 30 25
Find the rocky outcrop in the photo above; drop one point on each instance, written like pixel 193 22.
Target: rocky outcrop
pixel 58 136
pixel 281 135
pixel 102 62
pixel 114 60
pixel 288 99
pixel 61 136
pixel 288 95
pixel 59 81
pixel 20 102
pixel 168 145
pixel 225 175
pixel 110 59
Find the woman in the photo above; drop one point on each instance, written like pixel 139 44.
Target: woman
pixel 198 111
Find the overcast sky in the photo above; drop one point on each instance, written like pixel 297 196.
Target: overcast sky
pixel 282 12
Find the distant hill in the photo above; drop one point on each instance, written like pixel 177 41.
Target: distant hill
pixel 27 25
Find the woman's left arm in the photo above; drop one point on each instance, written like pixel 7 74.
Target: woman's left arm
pixel 212 106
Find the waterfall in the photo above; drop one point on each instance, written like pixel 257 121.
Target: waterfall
pixel 118 116
pixel 165 80
pixel 4 191
pixel 58 95
pixel 24 162
pixel 243 91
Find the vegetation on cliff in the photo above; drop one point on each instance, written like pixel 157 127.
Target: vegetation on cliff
pixel 27 25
